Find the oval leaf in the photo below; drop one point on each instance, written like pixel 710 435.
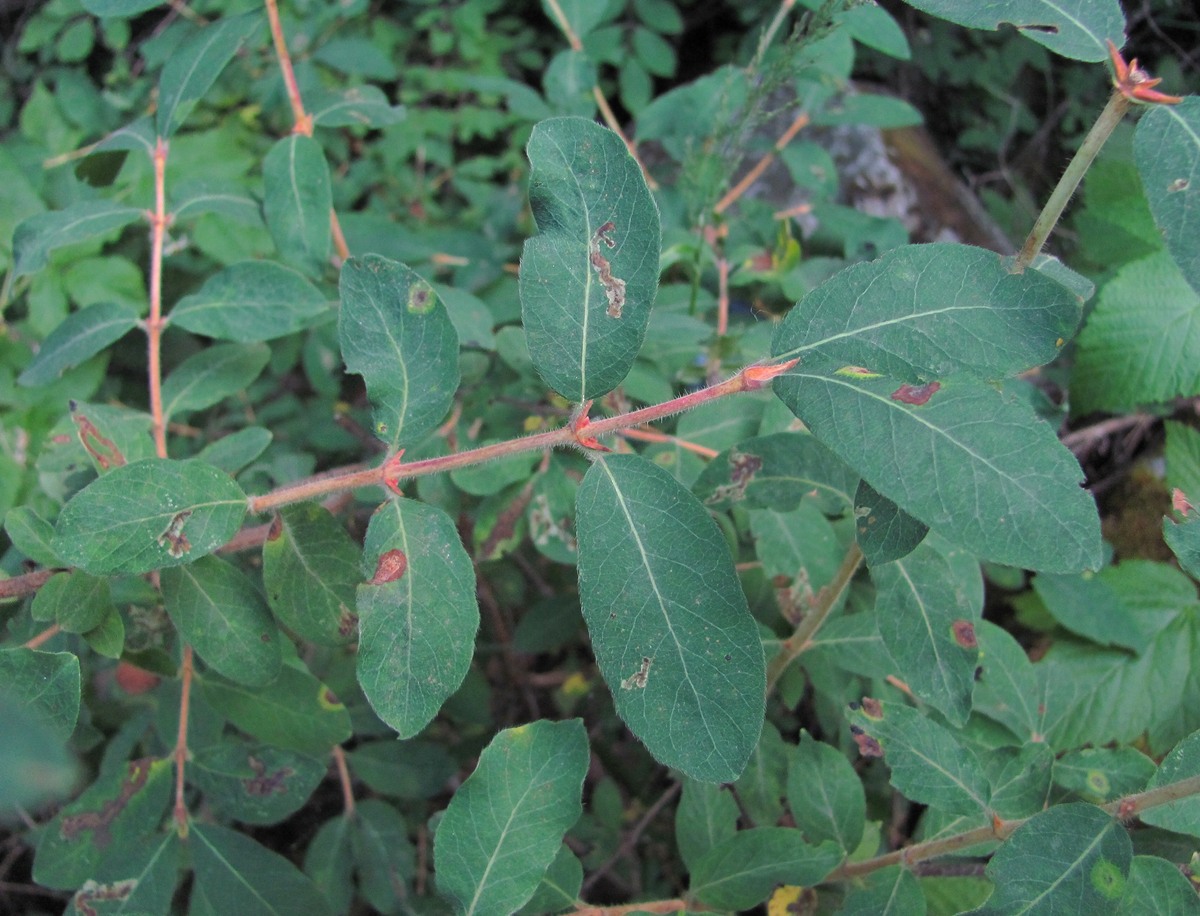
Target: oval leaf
pixel 210 376
pixel 926 311
pixel 81 336
pixel 37 236
pixel 1167 148
pixel 195 65
pixel 668 620
pixel 296 199
pixel 971 462
pixel 149 515
pixel 742 871
pixel 1072 28
pixel 825 794
pixel 219 611
pixel 882 530
pixel 417 614
pixel 253 300
pixel 395 333
pixel 505 824
pixel 589 277
pixel 235 874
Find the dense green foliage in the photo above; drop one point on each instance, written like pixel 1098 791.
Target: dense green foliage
pixel 450 493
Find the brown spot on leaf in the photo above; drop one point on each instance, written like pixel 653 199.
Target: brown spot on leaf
pixel 420 298
pixel 391 566
pixel 104 450
pixel 347 623
pixel 92 892
pixel 99 821
pixel 868 746
pixel 1179 184
pixel 964 634
pixel 872 708
pixel 916 394
pixel 614 287
pixel 1180 503
pixel 263 783
pixel 742 468
pixel 276 528
pixel 637 680
pixel 173 537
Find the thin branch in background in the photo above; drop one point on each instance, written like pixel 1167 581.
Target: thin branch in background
pixel 27 584
pixel 653 435
pixel 43 637
pixel 631 840
pixel 733 194
pixel 181 745
pixel 339 759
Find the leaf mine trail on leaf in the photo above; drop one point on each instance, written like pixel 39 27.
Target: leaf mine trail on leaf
pixel 614 287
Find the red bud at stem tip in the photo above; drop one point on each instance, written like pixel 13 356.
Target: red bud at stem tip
pixel 756 377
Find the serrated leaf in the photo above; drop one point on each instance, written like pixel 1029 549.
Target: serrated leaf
pixel 893 891
pixel 383 855
pixel 417 613
pixel 113 817
pixel 973 463
pixel 927 620
pixel 47 682
pixel 1182 454
pixel 1070 859
pixel 825 795
pixel 775 472
pixel 668 620
pixel 210 376
pixel 1072 28
pixel 254 784
pixel 294 711
pixel 297 197
pixel 882 530
pixel 589 277
pixel 395 333
pixel 1167 148
pixel 80 337
pixel 926 311
pixel 742 871
pixel 929 764
pixel 195 65
pixel 1156 887
pixel 357 106
pixel 236 874
pixel 310 570
pixel 253 300
pixel 705 817
pixel 218 611
pixel 38 235
pixel 149 515
pixel 1141 344
pixel 505 824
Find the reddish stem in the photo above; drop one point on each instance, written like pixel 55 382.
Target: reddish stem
pixel 154 323
pixel 181 746
pixel 43 637
pixel 339 758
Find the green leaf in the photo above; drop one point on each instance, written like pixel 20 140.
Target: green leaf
pixel 1072 28
pixel 1070 859
pixel 74 600
pixel 221 614
pixel 417 613
pixel 1156 887
pixel 589 277
pixel 142 880
pixel 45 682
pixel 1183 458
pixel 37 765
pixel 384 856
pixel 149 515
pixel 296 199
pixel 124 8
pixel 929 764
pixel 1020 778
pixel 505 824
pixel 973 463
pixel 743 870
pixel 195 198
pixel 235 874
pixel 31 535
pixel 1142 342
pixel 1103 774
pixel 108 821
pixel 922 312
pixel 763 783
pixel 357 106
pixel 776 472
pixel 395 334
pixel 253 300
pixel 1006 690
pixel 310 570
pixel 1167 147
pixel 1182 816
pixel 722 423
pixel 801 545
pixel 705 817
pixel 893 891
pixel 1184 540
pixel 883 531
pixel 403 769
pixel 195 65
pixel 254 784
pixel 210 376
pixel 583 15
pixel 926 618
pixel 294 711
pixel 559 888
pixel 38 235
pixel 874 27
pixel 233 452
pixel 825 794
pixel 329 861
pixel 84 334
pixel 1090 606
pixel 668 620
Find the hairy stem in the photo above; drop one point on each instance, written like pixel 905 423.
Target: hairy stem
pixel 154 323
pixel 828 597
pixel 1105 124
